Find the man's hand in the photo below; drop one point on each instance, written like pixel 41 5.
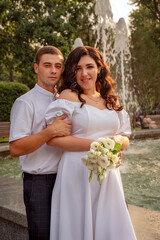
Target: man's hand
pixel 60 127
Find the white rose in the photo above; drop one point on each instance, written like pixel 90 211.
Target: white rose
pixel 95 145
pixel 110 154
pixel 109 143
pixel 92 167
pixel 84 159
pixel 103 161
pixel 105 150
pixel 101 140
pixel 115 158
pixel 93 160
pixel 91 153
pixel 100 148
pixel 98 153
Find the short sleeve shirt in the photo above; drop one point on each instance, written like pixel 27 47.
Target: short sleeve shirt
pixel 27 118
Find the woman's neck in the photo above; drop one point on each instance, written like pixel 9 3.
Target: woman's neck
pixel 92 93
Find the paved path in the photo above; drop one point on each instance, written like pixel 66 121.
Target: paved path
pixel 146 223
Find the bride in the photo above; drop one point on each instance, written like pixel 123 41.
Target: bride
pixel 83 210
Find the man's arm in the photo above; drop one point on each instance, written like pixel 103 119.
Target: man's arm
pixel 28 144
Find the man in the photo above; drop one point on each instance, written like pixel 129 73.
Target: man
pixel 28 137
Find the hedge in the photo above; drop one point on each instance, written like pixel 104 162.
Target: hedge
pixel 9 91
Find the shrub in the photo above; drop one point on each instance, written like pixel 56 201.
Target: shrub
pixel 9 91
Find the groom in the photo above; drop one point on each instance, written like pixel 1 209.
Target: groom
pixel 28 137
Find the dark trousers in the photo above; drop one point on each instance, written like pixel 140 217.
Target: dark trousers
pixel 37 191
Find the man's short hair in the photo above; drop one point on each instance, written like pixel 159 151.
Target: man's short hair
pixel 47 50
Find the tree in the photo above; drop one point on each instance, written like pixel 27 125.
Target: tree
pixel 27 25
pixel 145 48
pixel 152 5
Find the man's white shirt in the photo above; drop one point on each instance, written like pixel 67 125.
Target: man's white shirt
pixel 27 118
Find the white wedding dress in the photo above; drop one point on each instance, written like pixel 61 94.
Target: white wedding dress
pixel 83 210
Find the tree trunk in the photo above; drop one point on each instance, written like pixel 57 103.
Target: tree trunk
pixel 11 77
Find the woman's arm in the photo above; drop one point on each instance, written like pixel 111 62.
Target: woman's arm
pixel 70 143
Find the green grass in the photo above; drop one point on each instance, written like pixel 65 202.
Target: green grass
pixel 6 139
pixel 136 128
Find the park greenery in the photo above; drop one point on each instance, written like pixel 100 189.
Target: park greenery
pixel 145 51
pixel 27 25
pixel 9 92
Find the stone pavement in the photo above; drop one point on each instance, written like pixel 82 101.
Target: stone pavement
pixel 146 222
pixel 4 149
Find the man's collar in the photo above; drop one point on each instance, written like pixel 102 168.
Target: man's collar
pixel 45 92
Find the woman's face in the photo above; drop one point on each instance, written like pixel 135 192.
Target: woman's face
pixel 86 73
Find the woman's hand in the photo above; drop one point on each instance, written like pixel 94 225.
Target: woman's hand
pixel 118 164
pixel 123 140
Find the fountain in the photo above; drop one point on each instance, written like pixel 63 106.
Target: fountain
pixel 77 43
pixel 105 29
pixel 112 41
pixel 122 51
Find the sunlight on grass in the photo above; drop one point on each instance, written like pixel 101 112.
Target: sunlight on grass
pixel 6 139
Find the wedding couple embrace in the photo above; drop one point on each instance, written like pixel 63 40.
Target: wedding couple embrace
pixel 51 130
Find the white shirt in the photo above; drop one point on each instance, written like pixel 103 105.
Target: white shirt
pixel 27 118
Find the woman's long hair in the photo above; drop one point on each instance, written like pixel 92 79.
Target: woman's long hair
pixel 104 83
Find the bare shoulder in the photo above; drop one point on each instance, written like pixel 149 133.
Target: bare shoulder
pixel 69 95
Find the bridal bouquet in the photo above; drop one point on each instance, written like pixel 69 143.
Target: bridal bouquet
pixel 101 157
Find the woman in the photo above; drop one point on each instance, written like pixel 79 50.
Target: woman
pixel 83 210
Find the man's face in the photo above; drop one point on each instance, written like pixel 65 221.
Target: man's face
pixel 49 71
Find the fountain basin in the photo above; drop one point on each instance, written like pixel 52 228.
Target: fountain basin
pixel 145 133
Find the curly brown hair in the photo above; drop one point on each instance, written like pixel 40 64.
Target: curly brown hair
pixel 104 83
